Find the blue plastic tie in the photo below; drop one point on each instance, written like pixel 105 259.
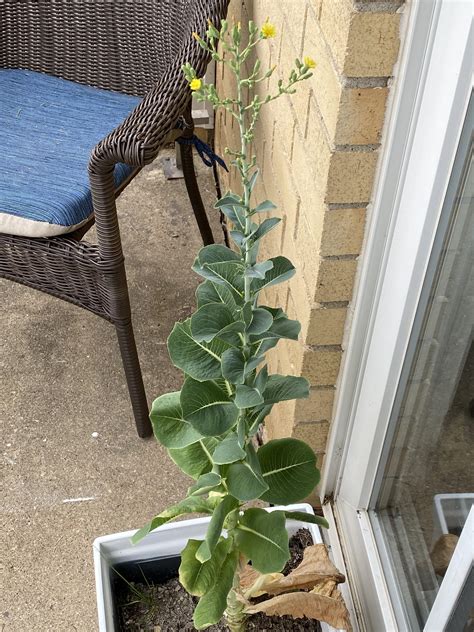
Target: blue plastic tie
pixel 208 156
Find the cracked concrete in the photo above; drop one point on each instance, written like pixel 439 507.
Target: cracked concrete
pixel 73 466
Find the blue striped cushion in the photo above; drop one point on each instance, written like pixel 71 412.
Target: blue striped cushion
pixel 48 127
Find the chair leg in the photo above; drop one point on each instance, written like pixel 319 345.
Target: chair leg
pixel 133 374
pixel 193 188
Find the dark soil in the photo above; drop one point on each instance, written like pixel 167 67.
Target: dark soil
pixel 168 607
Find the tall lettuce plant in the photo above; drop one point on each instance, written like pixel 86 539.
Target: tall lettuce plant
pixel 209 427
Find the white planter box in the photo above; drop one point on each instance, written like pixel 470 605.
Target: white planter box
pixel 166 541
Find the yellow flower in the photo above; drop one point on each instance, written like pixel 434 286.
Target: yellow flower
pixel 195 84
pixel 268 30
pixel 309 62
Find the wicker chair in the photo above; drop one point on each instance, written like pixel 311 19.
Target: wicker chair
pixel 134 47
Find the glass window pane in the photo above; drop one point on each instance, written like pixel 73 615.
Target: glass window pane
pixel 426 487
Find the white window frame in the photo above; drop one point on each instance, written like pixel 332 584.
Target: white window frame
pixel 425 119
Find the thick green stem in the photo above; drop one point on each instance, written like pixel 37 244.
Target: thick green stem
pixel 234 613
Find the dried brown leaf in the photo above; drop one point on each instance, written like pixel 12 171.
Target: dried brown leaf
pixel 315 567
pixel 254 584
pixel 312 605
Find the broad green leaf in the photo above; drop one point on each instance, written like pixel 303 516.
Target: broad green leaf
pixel 195 459
pixel 229 273
pixel 247 397
pixel 186 506
pixel 289 469
pixel 212 605
pixel 214 530
pixel 259 270
pixel 258 417
pixel 261 379
pixel 265 227
pixel 244 479
pixel 216 253
pixel 169 426
pixel 282 270
pixel 236 214
pixel 200 360
pixel 228 450
pixel 208 407
pixel 235 367
pixel 264 206
pixel 209 292
pixel 204 484
pixel 229 199
pixel 209 320
pixel 302 516
pixel 262 537
pixel 284 387
pixel 261 321
pixel 237 236
pixel 198 578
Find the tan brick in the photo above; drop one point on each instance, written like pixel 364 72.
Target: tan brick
pixel 363 44
pixel 343 232
pixel 316 4
pixel 317 407
pixel 336 280
pixel 280 424
pixel 316 146
pixel 325 82
pixel 314 434
pixel 351 176
pixel 299 308
pixel 326 326
pixel 361 116
pixel 321 366
pixel 295 16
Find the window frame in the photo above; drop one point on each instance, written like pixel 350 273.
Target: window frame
pixel 424 123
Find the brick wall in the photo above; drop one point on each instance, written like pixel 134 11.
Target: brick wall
pixel 318 152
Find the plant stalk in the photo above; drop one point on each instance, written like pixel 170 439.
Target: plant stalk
pixel 234 614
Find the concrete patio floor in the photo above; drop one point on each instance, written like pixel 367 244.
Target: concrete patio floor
pixel 61 383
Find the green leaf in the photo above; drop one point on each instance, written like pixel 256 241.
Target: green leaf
pixel 199 578
pixel 230 274
pixel 259 270
pixel 265 227
pixel 289 469
pixel 235 367
pixel 262 537
pixel 216 253
pixel 204 484
pixel 264 206
pixel 209 320
pixel 195 459
pixel 244 479
pixel 261 321
pixel 253 180
pixel 237 236
pixel 209 292
pixel 282 270
pixel 262 379
pixel 302 516
pixel 200 360
pixel 228 451
pixel 284 387
pixel 169 426
pixel 208 407
pixel 186 506
pixel 247 397
pixel 229 199
pixel 214 530
pixel 212 605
